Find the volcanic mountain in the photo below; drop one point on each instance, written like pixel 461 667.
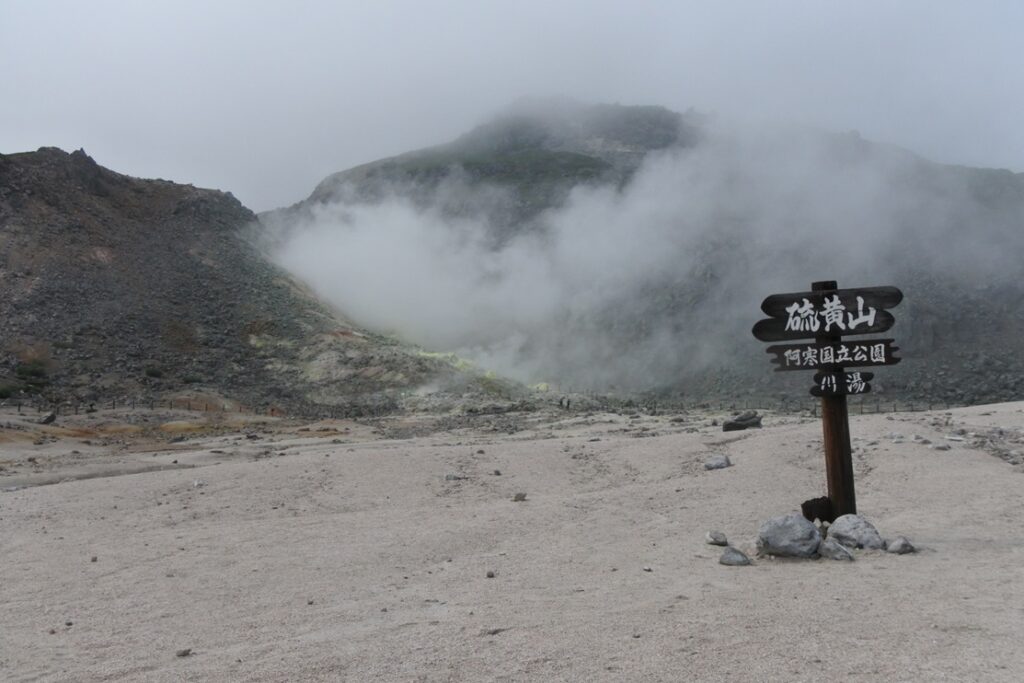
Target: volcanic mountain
pixel 120 288
pixel 609 247
pixel 595 247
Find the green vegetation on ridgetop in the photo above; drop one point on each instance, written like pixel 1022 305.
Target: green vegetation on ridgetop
pixel 519 167
pixel 571 125
pixel 538 150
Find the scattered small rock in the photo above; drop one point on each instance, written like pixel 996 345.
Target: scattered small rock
pixel 480 452
pixel 733 557
pixel 854 531
pixel 789 536
pixel 648 569
pixel 832 549
pixel 719 462
pixel 497 473
pixel 454 477
pixel 940 447
pixel 519 497
pixel 490 574
pixel 492 631
pixel 49 419
pixel 94 559
pixel 69 623
pixel 185 652
pixel 715 538
pixel 52 631
pixel 309 602
pixel 900 546
pixel 745 420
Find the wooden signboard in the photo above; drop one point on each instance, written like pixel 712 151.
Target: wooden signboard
pixel 829 355
pixel 777 305
pixel 842 383
pixel 839 312
pixel 826 315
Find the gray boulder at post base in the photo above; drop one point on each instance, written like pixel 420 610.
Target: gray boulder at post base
pixel 788 536
pixel 832 549
pixel 854 531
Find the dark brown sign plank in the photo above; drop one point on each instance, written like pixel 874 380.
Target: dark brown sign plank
pixel 785 329
pixel 834 355
pixel 841 383
pixel 830 311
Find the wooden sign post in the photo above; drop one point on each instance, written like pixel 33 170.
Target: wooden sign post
pixel 827 314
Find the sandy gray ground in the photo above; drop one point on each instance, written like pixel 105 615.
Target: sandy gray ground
pixel 328 552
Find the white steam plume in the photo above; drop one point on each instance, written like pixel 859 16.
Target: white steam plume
pixel 639 286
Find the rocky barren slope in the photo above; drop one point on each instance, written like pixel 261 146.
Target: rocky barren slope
pixel 116 287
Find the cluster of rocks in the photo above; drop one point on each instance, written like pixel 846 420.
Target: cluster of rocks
pixel 794 536
pixel 733 557
pixel 1006 443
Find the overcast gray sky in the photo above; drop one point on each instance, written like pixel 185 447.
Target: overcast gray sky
pixel 265 98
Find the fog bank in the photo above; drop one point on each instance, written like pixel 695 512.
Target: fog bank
pixel 642 286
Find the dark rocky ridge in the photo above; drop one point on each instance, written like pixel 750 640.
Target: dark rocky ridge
pixel 119 287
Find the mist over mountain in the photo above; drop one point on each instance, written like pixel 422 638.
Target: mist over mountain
pixel 608 247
